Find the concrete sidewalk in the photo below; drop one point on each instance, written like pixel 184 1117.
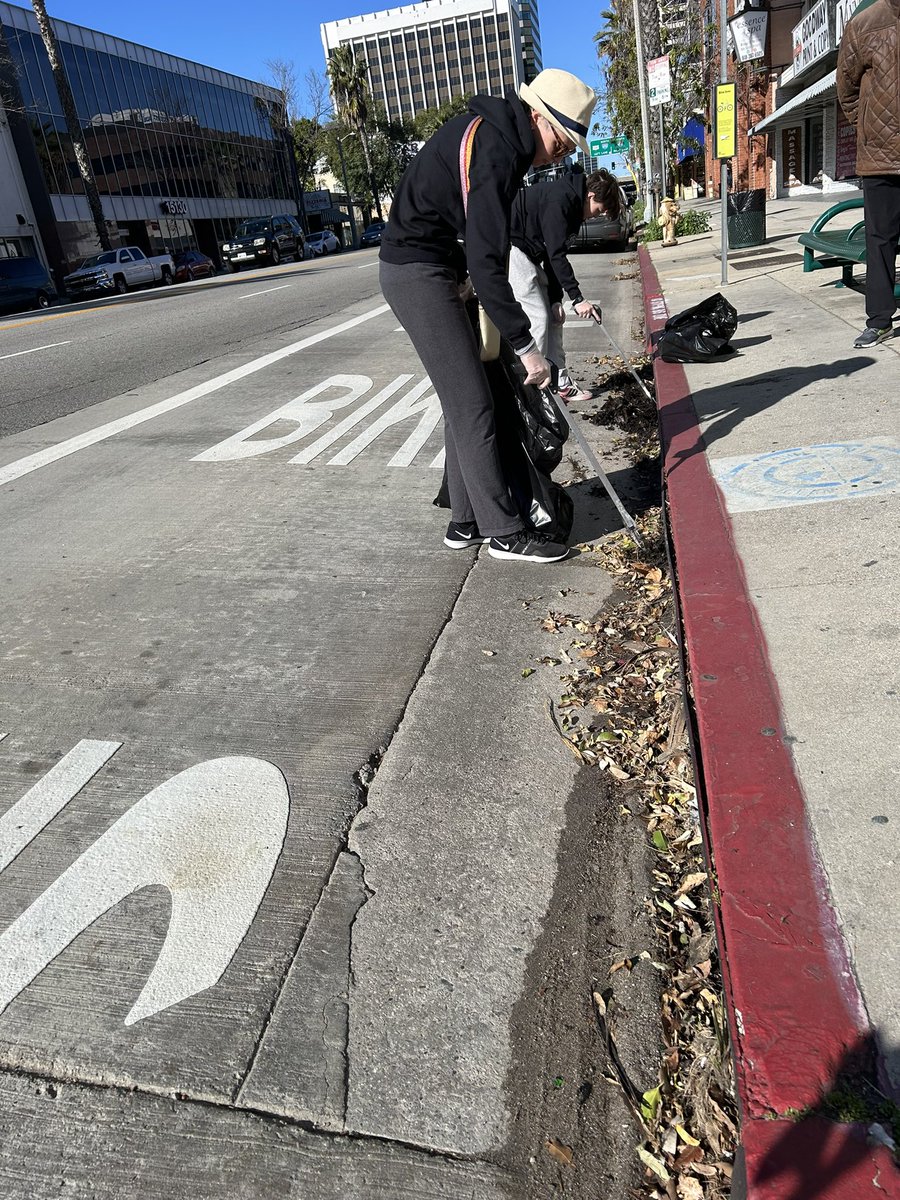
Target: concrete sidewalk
pixel 784 518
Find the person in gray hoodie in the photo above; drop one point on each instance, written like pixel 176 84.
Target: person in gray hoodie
pixel 449 221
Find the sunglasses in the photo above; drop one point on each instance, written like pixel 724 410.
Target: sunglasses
pixel 562 147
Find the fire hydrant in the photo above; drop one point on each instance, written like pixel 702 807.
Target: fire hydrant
pixel 669 213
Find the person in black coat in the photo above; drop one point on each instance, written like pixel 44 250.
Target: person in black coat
pixel 544 217
pixel 449 220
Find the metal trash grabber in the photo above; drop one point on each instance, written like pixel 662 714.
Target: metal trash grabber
pixel 592 462
pixel 618 350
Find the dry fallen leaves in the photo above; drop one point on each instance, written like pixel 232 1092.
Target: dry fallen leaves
pixel 622 711
pixel 558 1150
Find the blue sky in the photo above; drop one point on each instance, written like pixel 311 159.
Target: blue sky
pixel 238 37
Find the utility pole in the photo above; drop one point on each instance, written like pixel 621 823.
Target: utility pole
pixel 649 208
pixel 723 172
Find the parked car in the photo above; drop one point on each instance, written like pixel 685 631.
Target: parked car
pixel 321 243
pixel 24 283
pixel 371 235
pixel 629 187
pixel 119 270
pixel 264 240
pixel 604 231
pixel 191 264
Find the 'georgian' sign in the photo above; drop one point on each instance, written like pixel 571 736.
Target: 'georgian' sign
pixel 813 37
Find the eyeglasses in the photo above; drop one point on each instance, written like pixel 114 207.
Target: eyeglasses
pixel 562 147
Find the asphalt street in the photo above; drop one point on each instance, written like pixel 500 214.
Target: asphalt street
pixel 68 358
pixel 281 803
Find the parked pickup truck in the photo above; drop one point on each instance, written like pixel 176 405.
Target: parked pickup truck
pixel 119 270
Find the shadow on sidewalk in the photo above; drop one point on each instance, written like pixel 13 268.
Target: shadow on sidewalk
pixel 726 405
pixel 835 1138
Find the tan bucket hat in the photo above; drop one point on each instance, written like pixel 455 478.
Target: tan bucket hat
pixel 564 100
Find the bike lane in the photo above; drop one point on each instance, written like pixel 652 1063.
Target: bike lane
pixel 221 592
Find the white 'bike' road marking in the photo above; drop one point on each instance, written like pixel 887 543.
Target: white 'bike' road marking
pixel 35 349
pixel 211 834
pixel 43 458
pixel 22 822
pixel 266 291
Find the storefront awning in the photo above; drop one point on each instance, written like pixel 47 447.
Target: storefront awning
pixel 815 89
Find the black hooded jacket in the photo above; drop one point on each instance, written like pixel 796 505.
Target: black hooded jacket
pixel 427 218
pixel 544 217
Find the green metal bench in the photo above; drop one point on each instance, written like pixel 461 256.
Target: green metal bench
pixel 838 247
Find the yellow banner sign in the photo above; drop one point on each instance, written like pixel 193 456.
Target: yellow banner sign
pixel 726 121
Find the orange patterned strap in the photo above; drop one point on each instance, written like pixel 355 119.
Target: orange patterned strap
pixel 465 159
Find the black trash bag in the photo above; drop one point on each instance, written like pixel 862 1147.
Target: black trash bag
pixel 530 439
pixel 715 314
pixel 699 333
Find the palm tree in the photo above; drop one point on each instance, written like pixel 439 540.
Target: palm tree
pixel 72 122
pixel 350 89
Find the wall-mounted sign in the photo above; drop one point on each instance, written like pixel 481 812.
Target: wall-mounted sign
pixel 316 201
pixel 748 33
pixel 174 208
pixel 791 149
pixel 845 147
pixel 844 10
pixel 813 37
pixel 659 84
pixel 726 120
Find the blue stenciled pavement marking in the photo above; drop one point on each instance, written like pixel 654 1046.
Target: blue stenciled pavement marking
pixel 810 474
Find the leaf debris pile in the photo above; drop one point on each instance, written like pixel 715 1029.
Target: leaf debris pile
pixel 622 712
pixel 625 406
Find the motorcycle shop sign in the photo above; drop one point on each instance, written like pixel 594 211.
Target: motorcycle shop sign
pixel 813 38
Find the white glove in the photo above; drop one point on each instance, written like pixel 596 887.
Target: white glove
pixel 466 291
pixel 537 367
pixel 588 311
pixel 558 314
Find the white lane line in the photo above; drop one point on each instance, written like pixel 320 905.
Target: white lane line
pixel 35 349
pixel 51 454
pixel 266 291
pixel 371 264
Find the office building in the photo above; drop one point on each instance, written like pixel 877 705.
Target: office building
pixel 181 152
pixel 421 55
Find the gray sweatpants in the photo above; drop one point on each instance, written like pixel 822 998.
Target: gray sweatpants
pixel 530 286
pixel 425 300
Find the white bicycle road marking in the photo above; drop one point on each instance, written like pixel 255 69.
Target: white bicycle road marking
pixel 43 458
pixel 337 392
pixel 25 819
pixel 34 349
pixel 211 835
pixel 266 291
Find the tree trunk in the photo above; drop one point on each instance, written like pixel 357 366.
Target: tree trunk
pixel 649 10
pixel 72 123
pixel 371 174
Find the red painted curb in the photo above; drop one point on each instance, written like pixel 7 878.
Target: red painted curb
pixel 796 1012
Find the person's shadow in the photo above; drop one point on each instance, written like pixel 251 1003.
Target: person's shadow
pixel 722 407
pixel 834 1138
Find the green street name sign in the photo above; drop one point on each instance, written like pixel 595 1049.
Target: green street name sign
pixel 613 145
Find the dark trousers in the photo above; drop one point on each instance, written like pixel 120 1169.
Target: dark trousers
pixel 881 195
pixel 425 300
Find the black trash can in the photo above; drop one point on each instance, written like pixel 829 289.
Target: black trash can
pixel 746 218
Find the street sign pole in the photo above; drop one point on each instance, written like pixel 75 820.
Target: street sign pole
pixel 649 212
pixel 723 188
